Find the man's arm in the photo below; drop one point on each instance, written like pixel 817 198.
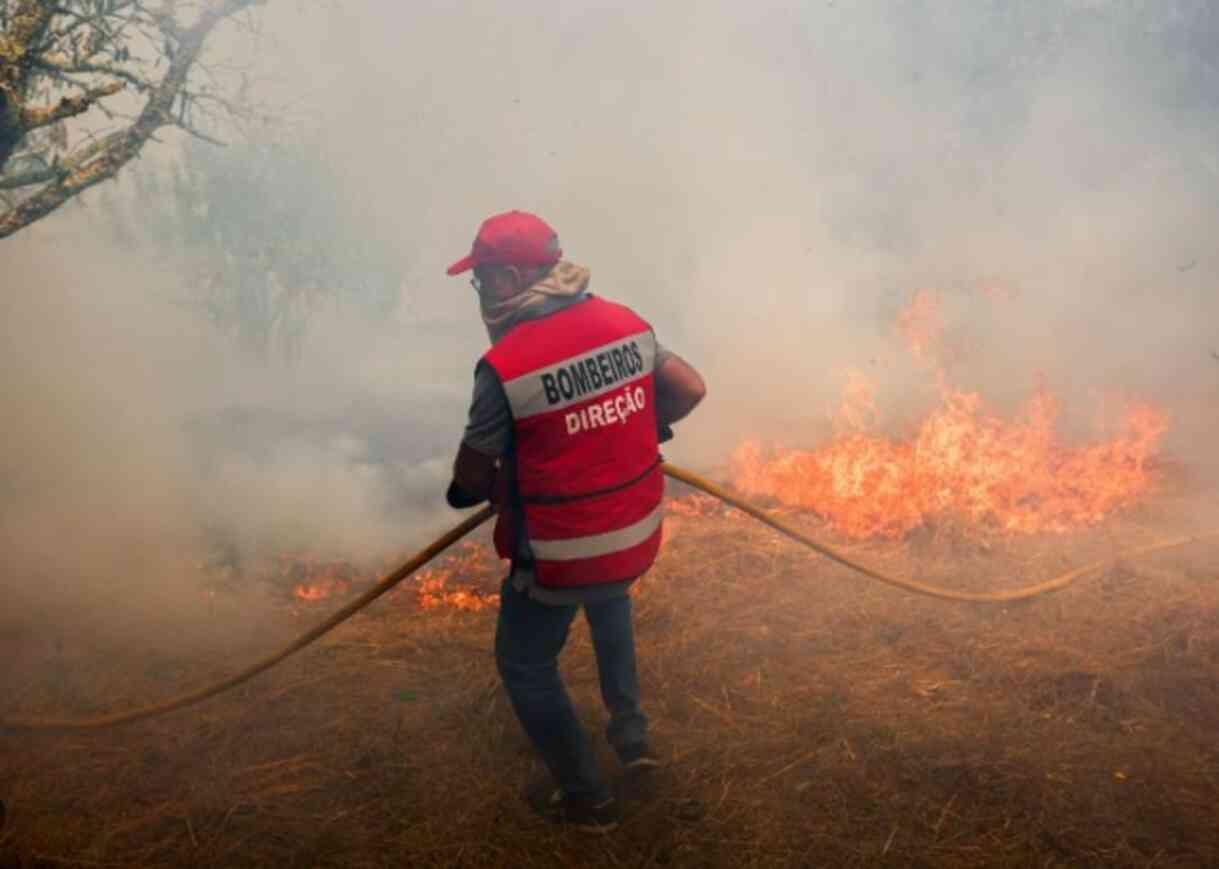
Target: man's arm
pixel 679 389
pixel 487 437
pixel 473 477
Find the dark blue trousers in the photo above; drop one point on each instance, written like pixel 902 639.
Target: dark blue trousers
pixel 528 639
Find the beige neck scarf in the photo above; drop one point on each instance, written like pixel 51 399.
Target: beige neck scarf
pixel 565 281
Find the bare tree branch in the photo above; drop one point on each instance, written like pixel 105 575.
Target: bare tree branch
pixel 65 68
pixel 35 176
pixel 59 60
pixel 67 107
pixel 26 27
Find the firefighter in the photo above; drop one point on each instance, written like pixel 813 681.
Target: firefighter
pixel 570 404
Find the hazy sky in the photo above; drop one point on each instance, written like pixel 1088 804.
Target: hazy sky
pixel 767 182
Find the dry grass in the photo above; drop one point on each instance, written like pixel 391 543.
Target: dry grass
pixel 810 718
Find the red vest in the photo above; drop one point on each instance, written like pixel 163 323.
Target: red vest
pixel 588 481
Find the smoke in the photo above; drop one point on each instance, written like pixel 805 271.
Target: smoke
pixel 92 478
pixel 770 183
pixel 145 457
pixel 767 183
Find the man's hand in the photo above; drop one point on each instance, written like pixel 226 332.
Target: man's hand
pixel 473 478
pixel 679 389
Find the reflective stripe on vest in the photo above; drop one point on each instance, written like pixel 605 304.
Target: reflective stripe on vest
pixel 598 544
pixel 580 388
pixel 596 372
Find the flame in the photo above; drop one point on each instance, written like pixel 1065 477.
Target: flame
pixel 963 461
pixel 857 411
pixel 923 327
pixel 434 592
pixel 467 561
pixel 318 579
pixel 316 591
pixel 450 582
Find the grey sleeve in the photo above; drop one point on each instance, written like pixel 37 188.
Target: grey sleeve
pixel 489 427
pixel 663 354
pixel 664 433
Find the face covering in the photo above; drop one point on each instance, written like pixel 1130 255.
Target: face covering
pixel 564 281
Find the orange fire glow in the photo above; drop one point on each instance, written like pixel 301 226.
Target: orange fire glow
pixel 436 586
pixel 457 580
pixel 963 461
pixel 921 324
pixel 318 579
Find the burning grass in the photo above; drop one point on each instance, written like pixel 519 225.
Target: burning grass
pixel 962 461
pixel 809 718
pixel 464 578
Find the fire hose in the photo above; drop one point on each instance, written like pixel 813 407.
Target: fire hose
pixel 463 528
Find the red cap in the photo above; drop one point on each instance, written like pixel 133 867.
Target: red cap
pixel 514 238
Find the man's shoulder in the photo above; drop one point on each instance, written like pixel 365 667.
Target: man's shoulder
pixel 610 308
pixel 551 337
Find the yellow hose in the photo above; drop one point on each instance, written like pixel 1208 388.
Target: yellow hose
pixel 416 561
pixel 469 524
pixel 1055 584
